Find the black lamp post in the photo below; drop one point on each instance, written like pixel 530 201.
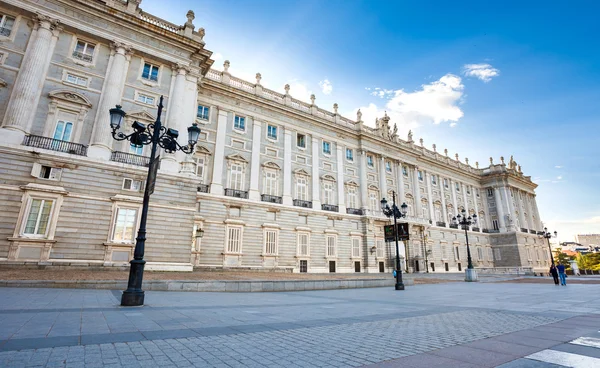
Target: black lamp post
pixel 546 234
pixel 157 135
pixel 465 222
pixel 397 213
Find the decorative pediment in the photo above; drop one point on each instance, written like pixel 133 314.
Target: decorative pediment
pixel 301 172
pixel 202 150
pixel 271 165
pixel 328 177
pixel 373 187
pixel 236 157
pixel 352 183
pixel 141 115
pixel 70 97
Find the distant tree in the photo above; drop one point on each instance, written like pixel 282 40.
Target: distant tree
pixel 590 261
pixel 562 258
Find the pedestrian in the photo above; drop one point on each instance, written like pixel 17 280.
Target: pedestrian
pixel 554 273
pixel 562 274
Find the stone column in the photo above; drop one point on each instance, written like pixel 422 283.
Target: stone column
pixel 254 193
pixel 364 190
pixel 454 202
pixel 382 179
pixel 190 110
pixel 176 118
pixel 112 91
pixel 511 207
pixel 521 207
pixel 400 183
pixel 287 167
pixel 340 179
pixel 532 226
pixel 465 198
pixel 444 209
pixel 417 193
pixel 216 185
pixel 316 187
pixel 499 210
pixel 430 197
pixel 476 205
pixel 29 83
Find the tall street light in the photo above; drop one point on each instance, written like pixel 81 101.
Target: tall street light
pixel 546 234
pixel 465 222
pixel 156 135
pixel 397 213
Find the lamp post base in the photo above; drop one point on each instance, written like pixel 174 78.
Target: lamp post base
pixel 399 286
pixel 471 275
pixel 132 298
pixel 134 295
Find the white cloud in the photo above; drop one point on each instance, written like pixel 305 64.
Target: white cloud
pixel 558 167
pixel 217 56
pixel 299 90
pixel 484 72
pixel 383 93
pixel 326 86
pixel 452 125
pixel 559 177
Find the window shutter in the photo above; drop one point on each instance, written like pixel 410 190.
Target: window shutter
pixel 36 170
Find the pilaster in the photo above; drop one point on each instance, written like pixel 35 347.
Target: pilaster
pixel 443 195
pixel 499 210
pixel 254 193
pixel 316 187
pixel 340 179
pixel 382 179
pixel 364 193
pixel 454 202
pixel 216 185
pixel 417 193
pixel 401 193
pixel 430 197
pixel 287 167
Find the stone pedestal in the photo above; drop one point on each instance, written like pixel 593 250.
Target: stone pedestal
pixel 471 275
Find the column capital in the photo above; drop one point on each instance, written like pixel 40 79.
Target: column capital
pixel 180 68
pixel 46 22
pixel 118 47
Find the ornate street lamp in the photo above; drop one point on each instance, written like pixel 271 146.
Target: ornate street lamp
pixel 156 135
pixel 396 213
pixel 546 234
pixel 465 222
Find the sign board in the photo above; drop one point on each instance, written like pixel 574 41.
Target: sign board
pixel 390 234
pixel 152 172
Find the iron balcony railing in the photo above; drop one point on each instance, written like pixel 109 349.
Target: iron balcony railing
pixel 532 232
pixel 440 223
pixel 330 207
pixel 523 230
pixel 130 158
pixel 301 203
pixel 203 188
pixel 540 233
pixel 55 145
pixel 475 229
pixel 236 193
pixel 454 226
pixel 491 231
pixel 270 198
pixel 82 56
pixel 354 211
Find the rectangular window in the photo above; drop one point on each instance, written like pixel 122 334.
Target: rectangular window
pixel 301 188
pixel 84 51
pixel 404 171
pixel 200 164
pixel 420 175
pixel 374 201
pixel 80 81
pixel 352 197
pixel 303 246
pixel 63 131
pixel 490 192
pixel 380 248
pixel 236 177
pixel 133 185
pixel 135 149
pixel 38 217
pixel 145 99
pixel 150 72
pixel 388 166
pixel 234 239
pixel 457 186
pixel 457 253
pixel 328 193
pixel 370 160
pixel 331 246
pixel 495 225
pixel 300 140
pixel 326 148
pixel 434 180
pixel 271 132
pixel 355 247
pixel 48 172
pixel 304 266
pixel 446 183
pixel 349 154
pixel 497 255
pixel 271 242
pixel 203 112
pixel 270 183
pixel 124 226
pixel 239 123
pixel 479 254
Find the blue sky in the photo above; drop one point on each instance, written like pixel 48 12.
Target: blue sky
pixel 479 78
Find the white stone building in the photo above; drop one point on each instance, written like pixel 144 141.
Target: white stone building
pixel 275 183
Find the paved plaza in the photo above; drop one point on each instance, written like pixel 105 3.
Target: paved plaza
pixel 451 325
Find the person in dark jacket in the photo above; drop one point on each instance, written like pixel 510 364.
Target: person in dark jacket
pixel 562 275
pixel 554 273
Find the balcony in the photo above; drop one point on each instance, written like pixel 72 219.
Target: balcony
pixel 454 226
pixel 55 145
pixel 440 223
pixel 475 229
pixel 81 56
pixel 203 188
pixel 532 232
pixel 130 158
pixel 354 211
pixel 491 231
pixel 301 203
pixel 540 233
pixel 330 207
pixel 523 230
pixel 270 198
pixel 236 193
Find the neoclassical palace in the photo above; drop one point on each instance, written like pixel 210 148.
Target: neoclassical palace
pixel 274 184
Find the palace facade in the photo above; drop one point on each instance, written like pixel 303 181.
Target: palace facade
pixel 275 183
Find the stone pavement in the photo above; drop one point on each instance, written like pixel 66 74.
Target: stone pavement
pixel 451 325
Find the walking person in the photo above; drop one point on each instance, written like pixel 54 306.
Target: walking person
pixel 561 274
pixel 554 273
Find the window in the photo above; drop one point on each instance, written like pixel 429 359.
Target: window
pixel 203 112
pixel 349 154
pixel 270 183
pixel 380 248
pixel 150 72
pixel 200 166
pixel 457 186
pixel 328 193
pixel 271 132
pixel 301 188
pixel 326 148
pixel 355 247
pixel 145 99
pixel 38 217
pixel 46 172
pixel 135 149
pixel 63 131
pixel 434 180
pixel 236 177
pixel 80 81
pixel 374 201
pixel 133 185
pixel 468 190
pixel 234 239
pixel 370 160
pixel 456 253
pixel 479 254
pixel 404 171
pixel 331 246
pixel 352 197
pixel 270 242
pixel 444 251
pixel 477 192
pixel 300 140
pixel 495 224
pixel 304 266
pixel 388 166
pixel 124 225
pixel 425 209
pixel 446 183
pixel 303 244
pixel 497 255
pixel 84 51
pixel 420 175
pixel 239 123
pixel 490 192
